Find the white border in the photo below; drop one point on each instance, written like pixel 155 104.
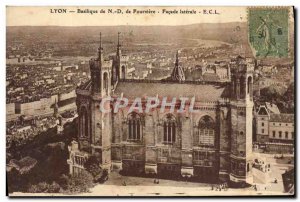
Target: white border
pixel 4 3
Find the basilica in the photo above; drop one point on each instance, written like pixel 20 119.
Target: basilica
pixel 211 144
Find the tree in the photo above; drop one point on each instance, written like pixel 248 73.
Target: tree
pixel 15 182
pixel 289 94
pixel 273 92
pixel 92 165
pixel 44 187
pixel 77 183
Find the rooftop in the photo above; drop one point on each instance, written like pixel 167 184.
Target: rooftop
pixel 203 91
pixel 283 118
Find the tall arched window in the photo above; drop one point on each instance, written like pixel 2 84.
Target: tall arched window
pixel 242 87
pixel 105 82
pixel 83 123
pixel 206 131
pixel 134 127
pixel 233 87
pixel 249 85
pixel 123 72
pixel 169 129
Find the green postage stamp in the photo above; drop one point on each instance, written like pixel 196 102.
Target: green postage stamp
pixel 269 31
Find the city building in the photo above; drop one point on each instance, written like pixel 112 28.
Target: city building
pixel 212 144
pixel 273 126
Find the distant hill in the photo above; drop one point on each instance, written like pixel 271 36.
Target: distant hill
pixel 210 31
pixel 83 41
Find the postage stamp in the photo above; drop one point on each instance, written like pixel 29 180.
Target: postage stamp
pixel 269 31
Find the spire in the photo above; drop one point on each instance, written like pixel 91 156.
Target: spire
pixel 100 50
pixel 177 73
pixel 116 70
pixel 119 45
pixel 177 60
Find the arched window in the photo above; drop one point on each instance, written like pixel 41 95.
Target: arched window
pixel 249 85
pixel 242 87
pixel 123 72
pixel 105 83
pixel 206 131
pixel 134 127
pixel 96 82
pixel 234 87
pixel 83 123
pixel 169 129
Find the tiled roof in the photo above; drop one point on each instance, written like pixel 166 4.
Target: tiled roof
pixel 262 110
pixel 202 92
pixel 178 74
pixel 283 118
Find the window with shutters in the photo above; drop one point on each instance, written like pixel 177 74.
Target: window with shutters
pixel 134 127
pixel 169 125
pixel 206 132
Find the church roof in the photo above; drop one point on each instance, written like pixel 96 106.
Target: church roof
pixel 202 92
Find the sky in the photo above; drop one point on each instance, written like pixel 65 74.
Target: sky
pixel 46 16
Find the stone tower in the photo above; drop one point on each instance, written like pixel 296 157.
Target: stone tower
pixel 100 73
pixel 120 65
pixel 100 142
pixel 241 121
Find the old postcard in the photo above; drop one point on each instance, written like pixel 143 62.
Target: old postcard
pixel 150 101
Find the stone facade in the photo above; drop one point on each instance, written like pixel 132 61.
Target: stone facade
pixel 212 144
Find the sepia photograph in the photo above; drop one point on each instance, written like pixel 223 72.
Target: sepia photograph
pixel 152 101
